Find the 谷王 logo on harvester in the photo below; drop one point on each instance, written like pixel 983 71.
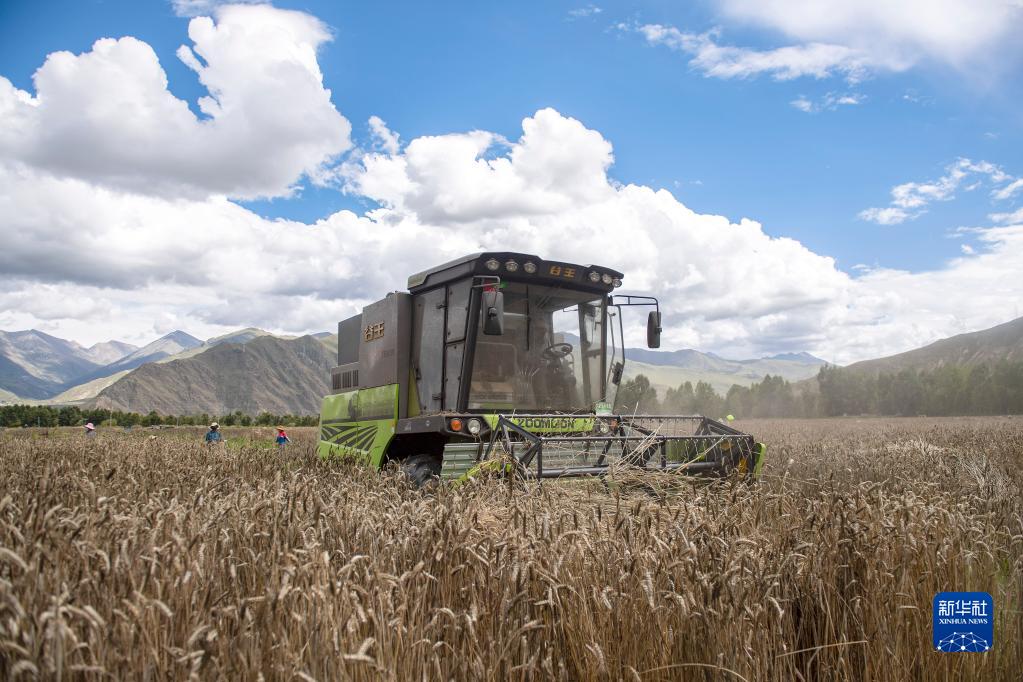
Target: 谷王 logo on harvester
pixel 963 622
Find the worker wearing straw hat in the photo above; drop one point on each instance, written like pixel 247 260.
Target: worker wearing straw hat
pixel 213 435
pixel 282 438
pixel 90 430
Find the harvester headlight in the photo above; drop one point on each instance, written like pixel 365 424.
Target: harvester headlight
pixel 606 279
pixel 529 267
pixel 455 424
pixel 492 264
pixel 602 427
pixel 511 266
pixel 474 426
pixel 594 276
pixel 617 282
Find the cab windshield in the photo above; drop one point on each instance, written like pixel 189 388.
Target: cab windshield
pixel 550 357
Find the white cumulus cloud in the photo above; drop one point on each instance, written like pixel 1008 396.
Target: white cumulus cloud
pixel 108 116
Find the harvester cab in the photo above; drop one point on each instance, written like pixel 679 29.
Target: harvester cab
pixel 505 357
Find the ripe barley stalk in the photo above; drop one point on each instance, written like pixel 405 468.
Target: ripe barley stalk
pixel 135 558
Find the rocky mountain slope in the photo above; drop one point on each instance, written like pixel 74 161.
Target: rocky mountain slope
pixel 266 374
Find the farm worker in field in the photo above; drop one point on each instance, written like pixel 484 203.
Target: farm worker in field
pixel 282 438
pixel 213 435
pixel 90 430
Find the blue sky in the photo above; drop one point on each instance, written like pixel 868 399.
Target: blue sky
pixel 739 147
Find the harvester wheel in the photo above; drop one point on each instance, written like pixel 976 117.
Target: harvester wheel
pixel 421 469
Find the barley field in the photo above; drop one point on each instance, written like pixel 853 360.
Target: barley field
pixel 144 555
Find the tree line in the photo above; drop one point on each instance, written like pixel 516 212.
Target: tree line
pixel 990 388
pixel 983 389
pixel 71 415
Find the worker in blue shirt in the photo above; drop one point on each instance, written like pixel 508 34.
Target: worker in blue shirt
pixel 213 435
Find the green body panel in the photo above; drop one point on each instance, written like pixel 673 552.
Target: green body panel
pixel 359 424
pixel 566 424
pixel 459 458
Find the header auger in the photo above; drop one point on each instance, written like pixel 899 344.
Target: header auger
pixel 507 354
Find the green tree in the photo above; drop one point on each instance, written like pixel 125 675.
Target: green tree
pixel 739 401
pixel 69 415
pixel 637 396
pixel 679 400
pixel 706 400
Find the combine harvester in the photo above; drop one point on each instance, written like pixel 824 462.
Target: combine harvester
pixel 507 358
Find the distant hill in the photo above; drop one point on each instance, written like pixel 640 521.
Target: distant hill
pixel 266 374
pixel 16 381
pixel 240 336
pixel 109 351
pixel 34 364
pixel 1004 342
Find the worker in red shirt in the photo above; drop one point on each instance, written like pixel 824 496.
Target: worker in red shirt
pixel 282 438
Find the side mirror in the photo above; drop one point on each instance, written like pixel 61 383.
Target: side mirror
pixel 493 313
pixel 653 329
pixel 616 373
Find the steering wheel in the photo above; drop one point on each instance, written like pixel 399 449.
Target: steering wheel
pixel 556 351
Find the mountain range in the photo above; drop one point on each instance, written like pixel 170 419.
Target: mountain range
pixel 252 370
pixel 36 365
